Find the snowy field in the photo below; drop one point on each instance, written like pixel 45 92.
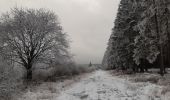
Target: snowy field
pixel 99 85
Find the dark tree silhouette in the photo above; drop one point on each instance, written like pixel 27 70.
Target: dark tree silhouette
pixel 31 35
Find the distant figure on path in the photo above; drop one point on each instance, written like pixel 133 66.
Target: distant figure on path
pixel 90 64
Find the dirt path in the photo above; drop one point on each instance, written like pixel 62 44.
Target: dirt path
pixel 99 85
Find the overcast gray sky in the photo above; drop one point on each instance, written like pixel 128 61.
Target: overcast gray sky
pixel 87 22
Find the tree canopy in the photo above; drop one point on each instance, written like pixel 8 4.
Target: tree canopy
pixel 29 36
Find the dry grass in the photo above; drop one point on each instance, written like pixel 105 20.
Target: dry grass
pixel 165 90
pixel 146 78
pixel 155 79
pixel 52 89
pixel 165 81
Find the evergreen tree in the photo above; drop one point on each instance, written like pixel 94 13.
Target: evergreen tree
pixel 120 47
pixel 140 37
pixel 153 38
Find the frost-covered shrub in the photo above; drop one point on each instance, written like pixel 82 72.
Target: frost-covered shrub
pixel 43 72
pixel 46 72
pixel 9 82
pixel 71 69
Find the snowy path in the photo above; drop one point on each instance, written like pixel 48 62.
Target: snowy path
pixel 100 85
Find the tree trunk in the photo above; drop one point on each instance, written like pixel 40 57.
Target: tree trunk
pixel 137 69
pixel 161 62
pixel 29 71
pixel 167 30
pixel 165 70
pixel 141 68
pixel 146 69
pixel 29 74
pixel 159 37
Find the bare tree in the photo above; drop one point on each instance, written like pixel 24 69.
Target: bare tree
pixel 31 35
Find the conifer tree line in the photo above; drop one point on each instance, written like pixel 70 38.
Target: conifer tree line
pixel 140 38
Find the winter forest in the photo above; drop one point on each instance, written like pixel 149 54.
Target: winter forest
pixel 140 37
pixel 36 61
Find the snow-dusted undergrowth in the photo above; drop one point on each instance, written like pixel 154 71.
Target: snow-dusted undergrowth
pixel 99 85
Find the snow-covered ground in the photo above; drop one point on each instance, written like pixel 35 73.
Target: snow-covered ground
pixel 99 85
